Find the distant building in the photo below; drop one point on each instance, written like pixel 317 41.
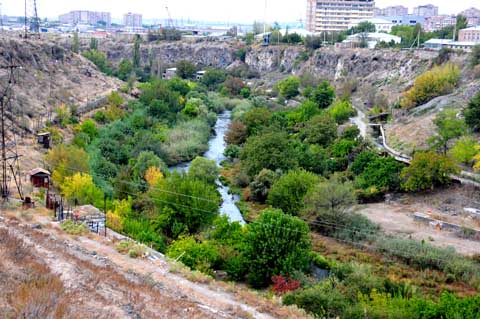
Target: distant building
pixel 426 11
pixel 381 25
pixel 336 15
pixel 392 11
pixel 409 20
pixel 438 44
pixel 86 17
pixel 372 39
pixel 469 35
pixel 169 73
pixel 132 20
pixel 439 22
pixel 473 16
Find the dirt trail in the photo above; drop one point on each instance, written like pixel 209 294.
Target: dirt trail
pixel 398 219
pixel 107 284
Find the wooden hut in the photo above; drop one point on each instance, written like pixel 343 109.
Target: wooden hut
pixel 40 177
pixel 44 139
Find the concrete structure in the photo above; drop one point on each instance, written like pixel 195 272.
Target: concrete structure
pixel 372 39
pixel 381 25
pixel 426 11
pixel 86 17
pixel 170 73
pixel 473 16
pixel 133 20
pixel 409 20
pixel 392 11
pixel 439 22
pixel 469 35
pixel 335 15
pixel 438 44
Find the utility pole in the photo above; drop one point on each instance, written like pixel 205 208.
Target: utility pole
pixel 26 20
pixel 9 154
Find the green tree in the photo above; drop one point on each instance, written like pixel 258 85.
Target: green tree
pixel 137 58
pixel 237 133
pixel 64 161
pixel 125 69
pixel 462 23
pixel 213 78
pixel 427 170
pixel 184 204
pixel 323 95
pixel 143 162
pixel 99 59
pixel 276 244
pixel 271 150
pixel 93 44
pixel 382 173
pixel 199 256
pixel 341 111
pixel 475 56
pixel 289 191
pixel 363 27
pixel 465 150
pixel 185 69
pixel 330 202
pixel 257 119
pixel 204 169
pixel 472 113
pixel 261 185
pixel 288 87
pixel 321 130
pixel 233 85
pixel 449 127
pixel 76 43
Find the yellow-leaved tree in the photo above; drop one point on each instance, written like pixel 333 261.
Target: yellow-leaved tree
pixel 477 160
pixel 80 188
pixel 153 175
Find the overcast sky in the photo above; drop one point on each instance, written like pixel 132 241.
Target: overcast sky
pixel 212 10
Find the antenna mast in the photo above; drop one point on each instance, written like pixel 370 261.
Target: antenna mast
pixel 9 154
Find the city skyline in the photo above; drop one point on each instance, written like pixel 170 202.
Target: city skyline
pixel 245 11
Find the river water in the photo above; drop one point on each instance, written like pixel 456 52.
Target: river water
pixel 216 148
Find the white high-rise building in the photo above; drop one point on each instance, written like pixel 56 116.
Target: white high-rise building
pixel 336 15
pixel 132 20
pixel 426 11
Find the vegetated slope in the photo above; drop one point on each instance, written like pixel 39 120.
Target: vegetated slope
pixel 49 76
pixel 47 274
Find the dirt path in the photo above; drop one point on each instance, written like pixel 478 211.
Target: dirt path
pixel 397 219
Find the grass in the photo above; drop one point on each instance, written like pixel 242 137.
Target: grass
pixel 74 228
pixel 130 248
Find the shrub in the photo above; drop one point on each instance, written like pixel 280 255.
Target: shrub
pixel 288 87
pixel 282 284
pixel 289 191
pixel 472 113
pixel 204 169
pixel 465 150
pixel 427 170
pixel 198 256
pixel 80 188
pixel 276 244
pixel 321 130
pixel 185 69
pixel 130 248
pixel 232 152
pixel 233 86
pixel 382 173
pixel 213 78
pixel 323 95
pixel 256 119
pixel 440 80
pixel 261 185
pixel 74 228
pixel 341 111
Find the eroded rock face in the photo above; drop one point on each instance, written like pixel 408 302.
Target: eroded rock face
pixel 50 75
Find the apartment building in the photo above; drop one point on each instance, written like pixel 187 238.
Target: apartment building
pixel 132 20
pixel 336 15
pixel 469 35
pixel 473 16
pixel 392 11
pixel 426 11
pixel 86 17
pixel 439 22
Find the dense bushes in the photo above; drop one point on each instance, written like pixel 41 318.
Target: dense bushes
pixel 276 244
pixel 440 80
pixel 472 113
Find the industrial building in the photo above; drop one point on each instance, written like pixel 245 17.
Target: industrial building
pixel 86 17
pixel 336 15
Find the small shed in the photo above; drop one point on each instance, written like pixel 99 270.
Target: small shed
pixel 40 177
pixel 44 139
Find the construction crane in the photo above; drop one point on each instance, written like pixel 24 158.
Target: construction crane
pixel 169 21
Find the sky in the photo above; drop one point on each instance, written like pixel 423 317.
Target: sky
pixel 207 10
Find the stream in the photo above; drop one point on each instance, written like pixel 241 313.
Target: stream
pixel 216 148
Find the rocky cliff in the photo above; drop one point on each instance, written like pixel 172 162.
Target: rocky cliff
pixel 49 76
